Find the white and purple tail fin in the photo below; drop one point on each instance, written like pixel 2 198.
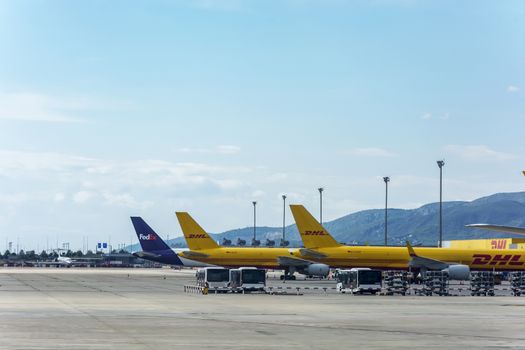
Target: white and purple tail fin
pixel 149 239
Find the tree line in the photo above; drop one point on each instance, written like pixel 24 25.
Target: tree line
pixel 32 255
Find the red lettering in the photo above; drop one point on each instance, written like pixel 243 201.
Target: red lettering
pixel 498 244
pixel 200 235
pixel 501 259
pixel 314 233
pixel 481 259
pixel 515 261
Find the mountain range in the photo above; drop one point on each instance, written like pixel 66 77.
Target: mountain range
pixel 420 226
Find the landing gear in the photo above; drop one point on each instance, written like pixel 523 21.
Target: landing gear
pixel 287 277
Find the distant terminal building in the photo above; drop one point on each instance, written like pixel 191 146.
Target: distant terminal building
pixel 492 243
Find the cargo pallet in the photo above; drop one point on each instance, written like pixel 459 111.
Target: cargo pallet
pixel 435 283
pixel 482 283
pixel 395 282
pixel 517 282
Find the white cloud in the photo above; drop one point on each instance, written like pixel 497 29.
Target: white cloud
pixel 221 149
pixel 512 88
pixel 59 197
pixel 258 193
pixel 82 196
pixel 228 149
pixel 38 107
pixel 20 163
pixel 478 153
pixel 42 108
pixel 370 152
pixel 116 183
pixel 124 200
pixel 428 116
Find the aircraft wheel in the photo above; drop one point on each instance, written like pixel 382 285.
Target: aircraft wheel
pixel 293 278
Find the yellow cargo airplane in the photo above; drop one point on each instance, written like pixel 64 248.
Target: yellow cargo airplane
pixel 204 249
pixel 458 262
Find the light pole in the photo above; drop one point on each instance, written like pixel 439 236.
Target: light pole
pixel 283 240
pixel 255 242
pixel 321 205
pixel 440 164
pixel 386 179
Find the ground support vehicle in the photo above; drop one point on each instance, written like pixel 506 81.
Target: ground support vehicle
pixel 215 279
pixel 359 281
pixel 247 279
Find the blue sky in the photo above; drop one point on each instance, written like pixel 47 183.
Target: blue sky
pixel 118 108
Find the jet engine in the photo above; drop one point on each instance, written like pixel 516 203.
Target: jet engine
pixel 317 270
pixel 458 272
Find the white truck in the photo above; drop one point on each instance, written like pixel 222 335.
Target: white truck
pixel 213 278
pixel 247 279
pixel 359 281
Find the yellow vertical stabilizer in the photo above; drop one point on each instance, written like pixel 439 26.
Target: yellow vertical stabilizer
pixel 312 233
pixel 195 235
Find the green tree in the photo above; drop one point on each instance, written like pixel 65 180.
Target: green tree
pixel 30 255
pixel 44 255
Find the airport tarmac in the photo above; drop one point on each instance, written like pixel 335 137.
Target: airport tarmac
pixel 44 308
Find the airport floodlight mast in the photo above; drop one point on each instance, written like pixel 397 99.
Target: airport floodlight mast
pixel 255 242
pixel 440 164
pixel 386 179
pixel 284 242
pixel 321 189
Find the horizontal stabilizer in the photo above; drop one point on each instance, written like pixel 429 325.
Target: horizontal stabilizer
pixel 143 254
pixel 193 254
pixel 512 229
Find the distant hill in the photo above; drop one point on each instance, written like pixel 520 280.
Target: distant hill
pixel 419 226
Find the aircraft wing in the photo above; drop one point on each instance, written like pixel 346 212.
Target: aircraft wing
pixel 420 261
pixel 312 253
pixel 517 230
pixel 190 254
pixel 289 261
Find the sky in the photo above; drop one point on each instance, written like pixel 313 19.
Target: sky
pixel 110 109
